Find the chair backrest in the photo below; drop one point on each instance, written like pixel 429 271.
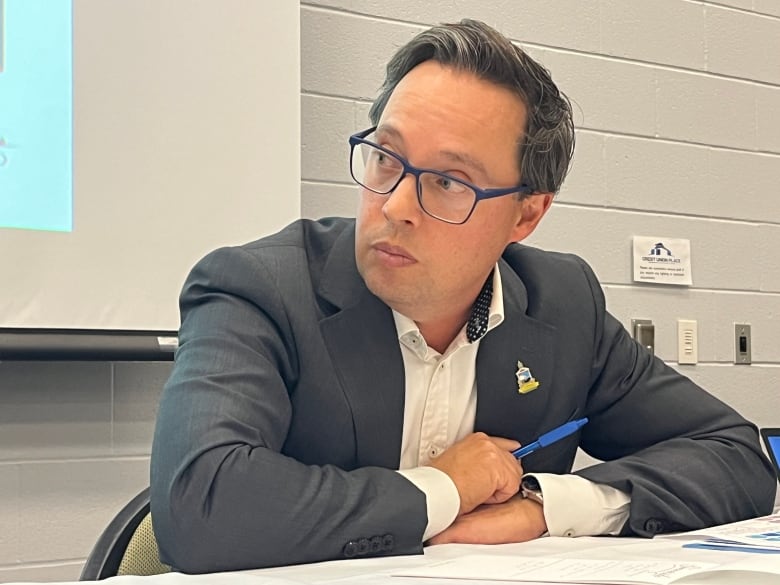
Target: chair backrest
pixel 127 545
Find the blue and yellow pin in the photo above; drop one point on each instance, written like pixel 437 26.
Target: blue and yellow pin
pixel 525 381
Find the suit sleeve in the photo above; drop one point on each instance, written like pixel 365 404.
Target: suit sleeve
pixel 686 459
pixel 223 495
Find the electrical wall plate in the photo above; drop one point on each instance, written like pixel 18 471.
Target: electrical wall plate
pixel 644 333
pixel 742 344
pixel 687 341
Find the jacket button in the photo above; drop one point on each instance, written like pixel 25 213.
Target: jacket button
pixel 363 546
pixel 376 544
pixel 654 526
pixel 350 549
pixel 388 542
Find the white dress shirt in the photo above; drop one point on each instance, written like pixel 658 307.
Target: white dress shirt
pixel 439 409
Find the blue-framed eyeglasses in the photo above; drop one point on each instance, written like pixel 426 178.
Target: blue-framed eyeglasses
pixel 440 195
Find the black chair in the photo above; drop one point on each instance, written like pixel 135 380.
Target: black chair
pixel 127 545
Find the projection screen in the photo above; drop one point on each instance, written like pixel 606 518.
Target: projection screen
pixel 136 136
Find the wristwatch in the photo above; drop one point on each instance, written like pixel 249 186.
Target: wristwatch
pixel 531 489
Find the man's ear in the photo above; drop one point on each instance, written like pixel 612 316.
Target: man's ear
pixel 532 210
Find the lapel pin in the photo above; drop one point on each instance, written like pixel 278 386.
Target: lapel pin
pixel 525 381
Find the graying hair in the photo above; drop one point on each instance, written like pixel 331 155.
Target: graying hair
pixel 547 144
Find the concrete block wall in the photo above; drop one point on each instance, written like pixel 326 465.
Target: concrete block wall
pixel 678 136
pixel 74 448
pixel 676 107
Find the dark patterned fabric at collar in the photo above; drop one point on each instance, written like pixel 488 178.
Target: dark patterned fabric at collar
pixel 478 320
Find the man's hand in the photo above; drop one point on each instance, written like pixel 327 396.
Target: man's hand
pixel 483 470
pixel 516 520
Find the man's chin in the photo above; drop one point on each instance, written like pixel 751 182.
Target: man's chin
pixel 382 285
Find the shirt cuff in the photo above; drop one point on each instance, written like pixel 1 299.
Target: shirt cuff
pixel 575 506
pixel 441 497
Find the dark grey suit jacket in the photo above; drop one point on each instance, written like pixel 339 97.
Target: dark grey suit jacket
pixel 280 427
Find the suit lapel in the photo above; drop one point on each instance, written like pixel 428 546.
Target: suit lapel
pixel 362 341
pixel 501 410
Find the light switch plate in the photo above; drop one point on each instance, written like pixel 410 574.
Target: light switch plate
pixel 687 341
pixel 743 346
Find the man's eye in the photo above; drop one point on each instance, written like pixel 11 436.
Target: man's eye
pixel 384 159
pixel 449 185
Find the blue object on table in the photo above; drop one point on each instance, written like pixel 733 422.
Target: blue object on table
pixel 554 435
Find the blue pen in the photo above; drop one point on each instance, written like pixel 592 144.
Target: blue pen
pixel 554 435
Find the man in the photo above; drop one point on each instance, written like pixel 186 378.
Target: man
pixel 351 388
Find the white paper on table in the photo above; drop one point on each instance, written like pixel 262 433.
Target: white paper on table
pixel 584 571
pixel 761 532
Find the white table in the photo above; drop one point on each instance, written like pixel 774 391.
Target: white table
pixel 377 571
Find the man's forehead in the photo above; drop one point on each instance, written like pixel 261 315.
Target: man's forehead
pixel 387 131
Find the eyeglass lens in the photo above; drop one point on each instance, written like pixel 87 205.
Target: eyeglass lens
pixel 440 196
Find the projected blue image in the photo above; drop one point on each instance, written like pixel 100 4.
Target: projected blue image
pixel 36 177
pixel 774 444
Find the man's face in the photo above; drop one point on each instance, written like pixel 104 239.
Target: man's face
pixel 439 118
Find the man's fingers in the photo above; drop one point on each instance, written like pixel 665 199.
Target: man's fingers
pixel 482 469
pixel 500 496
pixel 505 444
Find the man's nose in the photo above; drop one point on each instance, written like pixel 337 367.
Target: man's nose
pixel 402 204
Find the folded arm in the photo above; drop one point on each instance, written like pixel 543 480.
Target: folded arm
pixel 224 494
pixel 686 459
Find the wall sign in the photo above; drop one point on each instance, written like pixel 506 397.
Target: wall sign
pixel 660 260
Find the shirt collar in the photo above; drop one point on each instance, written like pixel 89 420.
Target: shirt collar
pixel 409 332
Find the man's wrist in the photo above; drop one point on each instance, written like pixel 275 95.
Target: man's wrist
pixel 532 518
pixel 599 509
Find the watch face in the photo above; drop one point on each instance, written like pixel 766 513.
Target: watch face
pixel 531 489
pixel 531 483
